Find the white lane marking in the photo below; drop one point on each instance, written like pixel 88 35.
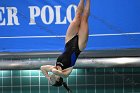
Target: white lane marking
pixel 62 36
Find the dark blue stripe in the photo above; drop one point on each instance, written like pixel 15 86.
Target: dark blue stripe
pixel 73 59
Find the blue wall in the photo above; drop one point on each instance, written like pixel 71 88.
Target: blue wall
pixel 113 24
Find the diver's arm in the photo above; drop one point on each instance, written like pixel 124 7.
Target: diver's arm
pixel 63 73
pixel 45 69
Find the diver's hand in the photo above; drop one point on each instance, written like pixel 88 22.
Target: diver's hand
pixel 55 71
pixel 60 73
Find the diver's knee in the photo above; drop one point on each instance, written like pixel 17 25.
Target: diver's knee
pixel 42 67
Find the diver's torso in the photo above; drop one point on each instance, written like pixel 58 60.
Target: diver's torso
pixel 68 57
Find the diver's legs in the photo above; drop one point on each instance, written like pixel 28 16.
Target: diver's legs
pixel 83 31
pixel 75 24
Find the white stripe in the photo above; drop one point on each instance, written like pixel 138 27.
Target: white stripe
pixel 33 37
pixel 119 34
pixel 62 36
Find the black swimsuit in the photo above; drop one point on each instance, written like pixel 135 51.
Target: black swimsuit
pixel 68 57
